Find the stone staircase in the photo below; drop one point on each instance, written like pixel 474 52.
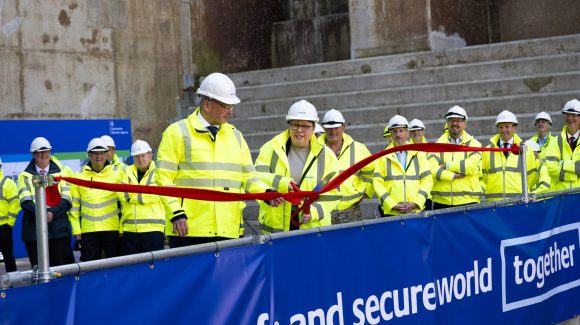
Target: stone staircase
pixel 525 77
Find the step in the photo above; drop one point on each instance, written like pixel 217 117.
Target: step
pixel 436 110
pixel 422 94
pixel 434 75
pixel 411 61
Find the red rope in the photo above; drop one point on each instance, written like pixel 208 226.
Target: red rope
pixel 294 197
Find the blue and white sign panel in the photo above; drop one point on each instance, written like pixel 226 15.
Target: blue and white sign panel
pixel 516 264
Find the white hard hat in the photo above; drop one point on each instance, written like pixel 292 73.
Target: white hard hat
pixel 97 145
pixel 397 121
pixel 572 107
pixel 220 87
pixel 108 141
pixel 302 110
pixel 140 147
pixel 543 116
pixel 506 117
pixel 416 124
pixel 456 111
pixel 532 145
pixel 318 129
pixel 40 144
pixel 332 119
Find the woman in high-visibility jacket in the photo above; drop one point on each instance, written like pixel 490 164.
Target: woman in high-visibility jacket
pixel 296 156
pixel 144 215
pixel 9 209
pixel 401 182
pixel 95 213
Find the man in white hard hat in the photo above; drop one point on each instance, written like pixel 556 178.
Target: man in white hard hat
pixel 417 131
pixel 562 154
pixel 295 156
pixel 95 212
pixel 402 180
pixel 456 174
pixel 58 203
pixel 112 156
pixel 543 123
pixel 9 209
pixel 502 176
pixel 348 152
pixel 204 151
pixel 143 218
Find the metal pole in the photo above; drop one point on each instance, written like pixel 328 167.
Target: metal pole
pixel 524 171
pixel 40 182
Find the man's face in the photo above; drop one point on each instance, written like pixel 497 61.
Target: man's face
pixel 542 125
pixel 399 136
pixel 216 113
pixel 143 160
pixel 98 159
pixel 334 135
pixel 110 152
pixel 417 135
pixel 41 158
pixel 456 126
pixel 572 122
pixel 300 132
pixel 506 131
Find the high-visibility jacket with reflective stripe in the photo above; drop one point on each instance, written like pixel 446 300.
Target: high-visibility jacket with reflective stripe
pixel 563 163
pixel 188 156
pixel 26 189
pixel 274 168
pixel 9 203
pixel 544 148
pixel 141 212
pixel 394 183
pixel 447 190
pixel 355 187
pixel 93 209
pixel 502 178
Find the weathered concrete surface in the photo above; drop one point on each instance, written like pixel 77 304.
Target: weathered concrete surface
pixel 302 9
pixel 524 19
pixel 306 41
pixel 91 59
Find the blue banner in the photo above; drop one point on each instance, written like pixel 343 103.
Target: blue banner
pixel 69 140
pixel 514 264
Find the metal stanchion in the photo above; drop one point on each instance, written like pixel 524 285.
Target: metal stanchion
pixel 40 182
pixel 524 172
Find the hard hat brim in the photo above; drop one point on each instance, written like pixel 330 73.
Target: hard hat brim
pixel 331 125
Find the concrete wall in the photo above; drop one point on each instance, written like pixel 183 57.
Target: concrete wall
pixel 524 19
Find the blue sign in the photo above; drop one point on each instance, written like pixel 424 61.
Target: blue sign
pixel 514 264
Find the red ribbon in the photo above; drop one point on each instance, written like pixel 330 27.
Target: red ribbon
pixel 295 197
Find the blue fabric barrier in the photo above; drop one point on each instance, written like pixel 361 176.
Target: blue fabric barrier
pixel 515 264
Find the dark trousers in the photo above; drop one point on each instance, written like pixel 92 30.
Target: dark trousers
pixel 437 206
pixel 175 241
pixel 133 243
pixel 59 252
pixel 7 248
pixel 95 244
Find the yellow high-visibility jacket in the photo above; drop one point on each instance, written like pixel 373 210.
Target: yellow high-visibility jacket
pixel 118 164
pixel 9 203
pixel 447 190
pixel 141 212
pixel 188 156
pixel 273 166
pixel 544 148
pixel 93 209
pixel 394 183
pixel 502 177
pixel 359 184
pixel 563 163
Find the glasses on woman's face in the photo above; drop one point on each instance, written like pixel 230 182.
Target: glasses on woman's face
pixel 303 127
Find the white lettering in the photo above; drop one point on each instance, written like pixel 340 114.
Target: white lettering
pixel 428 295
pixel 372 306
pixel 544 265
pixel 357 312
